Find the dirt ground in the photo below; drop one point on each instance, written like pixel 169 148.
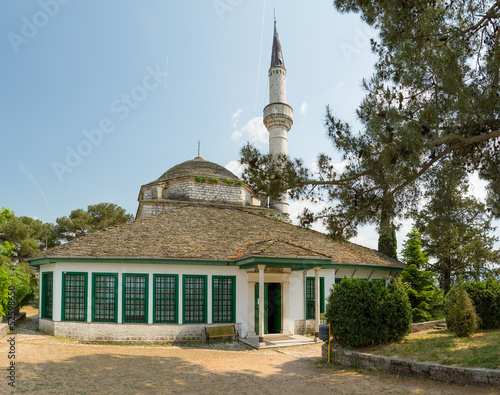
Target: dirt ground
pixel 49 365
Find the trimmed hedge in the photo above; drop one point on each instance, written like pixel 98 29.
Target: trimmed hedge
pixel 486 298
pixel 364 312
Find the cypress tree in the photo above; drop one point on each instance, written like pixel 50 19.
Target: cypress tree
pixel 423 297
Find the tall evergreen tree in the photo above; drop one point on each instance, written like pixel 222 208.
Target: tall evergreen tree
pixel 435 93
pixel 456 230
pixel 423 296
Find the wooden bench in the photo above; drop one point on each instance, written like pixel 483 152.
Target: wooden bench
pixel 221 331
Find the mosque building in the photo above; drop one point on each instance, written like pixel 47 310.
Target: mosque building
pixel 201 252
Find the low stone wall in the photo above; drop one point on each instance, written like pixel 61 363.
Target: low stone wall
pixel 424 326
pixel 4 330
pixel 470 376
pixel 126 333
pixel 4 326
pixel 303 327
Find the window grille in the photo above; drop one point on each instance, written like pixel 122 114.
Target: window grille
pixel 195 295
pixel 135 298
pixel 311 296
pixel 47 295
pixel 165 298
pixel 105 297
pixel 223 299
pixel 74 297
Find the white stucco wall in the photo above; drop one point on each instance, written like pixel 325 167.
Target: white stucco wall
pixel 104 331
pixel 150 269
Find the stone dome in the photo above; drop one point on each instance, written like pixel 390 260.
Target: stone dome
pixel 197 167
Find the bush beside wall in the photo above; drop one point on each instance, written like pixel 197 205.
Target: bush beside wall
pixel 364 312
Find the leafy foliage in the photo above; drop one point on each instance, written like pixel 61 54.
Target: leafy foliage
pixel 486 298
pixel 455 227
pixel 387 243
pixel 28 236
pixel 460 313
pixel 364 312
pixel 5 247
pixel 97 217
pixel 423 296
pixel 23 279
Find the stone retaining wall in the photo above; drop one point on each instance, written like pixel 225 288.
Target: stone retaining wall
pixel 470 376
pixel 126 333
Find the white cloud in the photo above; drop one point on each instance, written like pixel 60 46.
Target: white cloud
pixel 303 108
pixel 235 167
pixel 236 117
pixel 253 131
pixel 477 187
pixel 367 238
pixel 339 167
pixel 297 207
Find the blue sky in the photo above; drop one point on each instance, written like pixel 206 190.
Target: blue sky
pixel 100 97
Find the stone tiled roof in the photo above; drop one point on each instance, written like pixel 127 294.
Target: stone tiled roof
pixel 197 167
pixel 215 233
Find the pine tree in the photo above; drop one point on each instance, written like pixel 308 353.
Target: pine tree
pixel 434 94
pixel 420 283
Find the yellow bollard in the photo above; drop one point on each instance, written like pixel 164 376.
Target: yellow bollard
pixel 329 345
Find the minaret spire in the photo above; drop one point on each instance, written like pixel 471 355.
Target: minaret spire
pixel 277 54
pixel 278 116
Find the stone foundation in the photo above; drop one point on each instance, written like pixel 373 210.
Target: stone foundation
pixel 104 332
pixel 303 327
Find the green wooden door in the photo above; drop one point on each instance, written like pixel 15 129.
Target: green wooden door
pixel 272 308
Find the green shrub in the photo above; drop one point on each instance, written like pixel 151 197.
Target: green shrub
pixel 23 279
pixel 198 179
pixel 459 310
pixel 239 182
pixel 229 182
pixel 213 180
pixel 486 298
pixel 364 312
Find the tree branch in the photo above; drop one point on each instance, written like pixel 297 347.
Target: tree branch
pixel 462 143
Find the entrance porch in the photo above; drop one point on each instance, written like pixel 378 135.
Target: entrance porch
pixel 277 340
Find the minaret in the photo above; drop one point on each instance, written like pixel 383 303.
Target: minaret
pixel 278 116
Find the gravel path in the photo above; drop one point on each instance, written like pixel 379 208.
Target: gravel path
pixel 49 365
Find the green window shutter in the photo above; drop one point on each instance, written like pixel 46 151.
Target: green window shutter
pixel 74 297
pixel 135 298
pixel 104 297
pixel 47 295
pixel 194 299
pixel 338 280
pixel 165 294
pixel 311 297
pixel 223 299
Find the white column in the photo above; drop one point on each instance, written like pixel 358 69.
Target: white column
pixel 261 303
pixel 251 308
pixel 285 307
pixel 316 303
